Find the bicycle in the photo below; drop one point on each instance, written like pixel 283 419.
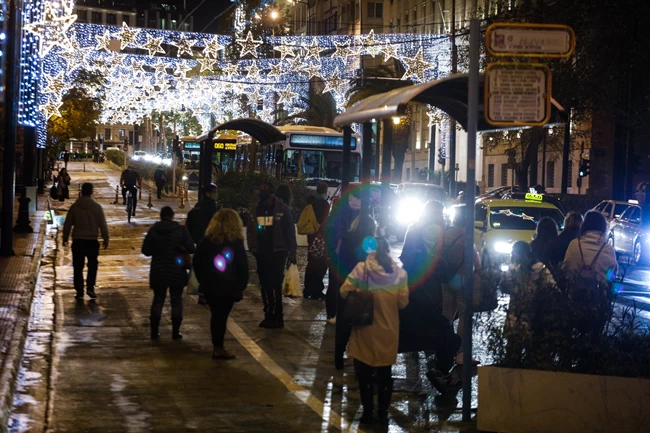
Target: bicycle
pixel 130 199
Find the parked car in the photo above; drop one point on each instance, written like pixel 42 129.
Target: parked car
pixel 530 196
pixel 630 233
pixel 612 209
pixel 498 192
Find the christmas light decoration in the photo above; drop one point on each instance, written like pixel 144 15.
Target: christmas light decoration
pixel 56 85
pixel 212 48
pixel 128 37
pixel 286 50
pixel 103 41
pixel 206 64
pixel 415 66
pixel 51 29
pixel 313 50
pixel 184 46
pixel 153 45
pixel 248 45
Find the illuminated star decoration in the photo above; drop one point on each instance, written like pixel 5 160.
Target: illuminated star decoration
pixel 416 66
pixel 212 48
pixel 206 64
pixel 312 70
pixel 52 29
pixel 55 85
pixel 370 44
pixel 104 41
pixel 296 64
pixel 51 108
pixel 336 84
pixel 181 70
pixel 389 51
pixel 288 49
pixel 276 70
pixel 153 45
pixel 286 95
pixel 254 97
pixel 253 72
pixel 137 66
pixel 184 46
pixel 342 50
pixel 231 69
pixel 313 50
pixel 127 36
pixel 248 45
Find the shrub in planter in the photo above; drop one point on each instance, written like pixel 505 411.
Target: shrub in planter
pixel 117 157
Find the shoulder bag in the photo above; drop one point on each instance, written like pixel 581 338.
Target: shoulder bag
pixel 359 306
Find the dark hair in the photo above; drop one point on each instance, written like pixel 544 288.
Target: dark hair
pixel 283 192
pixel 573 221
pixel 321 187
pixel 594 221
pixel 546 229
pixel 522 254
pixel 166 213
pixel 269 184
pixel 209 188
pixel 87 189
pixel 382 255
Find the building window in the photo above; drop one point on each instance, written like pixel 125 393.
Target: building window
pixel 107 133
pixel 126 19
pixel 375 10
pixel 122 133
pixel 550 174
pixel 399 25
pixel 504 175
pixel 490 180
pixel 82 16
pixel 96 17
pixel 406 18
pixel 111 19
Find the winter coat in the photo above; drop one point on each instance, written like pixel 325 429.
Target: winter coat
pixel 284 230
pixel 558 247
pixel 63 185
pixel 229 282
pixel 199 218
pixel 163 244
pixel 87 218
pixel 522 286
pixel 376 344
pixel 159 176
pixel 590 242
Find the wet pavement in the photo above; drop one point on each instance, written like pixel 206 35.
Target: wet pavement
pixel 90 366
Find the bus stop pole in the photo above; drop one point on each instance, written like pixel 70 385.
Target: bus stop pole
pixel 386 152
pixel 470 191
pixel 366 167
pixel 347 144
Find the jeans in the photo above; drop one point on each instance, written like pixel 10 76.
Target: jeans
pixel 159 295
pixel 220 307
pixel 270 269
pixel 134 193
pixel 314 274
pixel 82 249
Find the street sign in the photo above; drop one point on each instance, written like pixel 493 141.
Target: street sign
pixel 517 94
pixel 530 40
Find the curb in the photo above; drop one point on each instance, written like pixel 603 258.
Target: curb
pixel 17 345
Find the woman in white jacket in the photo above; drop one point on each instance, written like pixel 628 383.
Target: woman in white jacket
pixel 374 347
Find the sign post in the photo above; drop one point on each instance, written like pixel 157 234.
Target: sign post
pixel 530 40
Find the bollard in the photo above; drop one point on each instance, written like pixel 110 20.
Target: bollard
pixel 182 206
pixel 140 193
pixel 84 167
pixel 79 191
pixel 149 205
pixel 117 194
pixel 23 223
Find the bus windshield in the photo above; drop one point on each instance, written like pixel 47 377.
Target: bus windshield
pixel 319 164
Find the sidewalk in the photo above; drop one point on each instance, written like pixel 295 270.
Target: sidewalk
pixel 17 280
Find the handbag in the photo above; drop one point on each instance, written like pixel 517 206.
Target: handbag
pixel 53 192
pixel 359 306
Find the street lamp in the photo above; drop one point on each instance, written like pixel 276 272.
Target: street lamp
pixel 274 14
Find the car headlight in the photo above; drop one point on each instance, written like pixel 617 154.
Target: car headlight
pixel 451 213
pixel 409 211
pixel 503 247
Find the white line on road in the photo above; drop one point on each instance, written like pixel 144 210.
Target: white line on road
pixel 333 418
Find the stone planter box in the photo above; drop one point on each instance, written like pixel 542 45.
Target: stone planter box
pixel 534 401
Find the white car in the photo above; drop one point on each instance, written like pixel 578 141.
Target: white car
pixel 612 209
pixel 139 155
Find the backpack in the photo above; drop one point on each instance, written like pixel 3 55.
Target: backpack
pixel 307 223
pixel 587 288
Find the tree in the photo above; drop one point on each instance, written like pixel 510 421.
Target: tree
pixel 320 111
pixel 380 79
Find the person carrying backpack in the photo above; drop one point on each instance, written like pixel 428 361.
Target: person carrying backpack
pixel 313 226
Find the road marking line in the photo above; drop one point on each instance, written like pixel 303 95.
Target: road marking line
pixel 303 394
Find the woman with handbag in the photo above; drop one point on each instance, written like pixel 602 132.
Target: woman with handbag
pixel 168 244
pixel 63 185
pixel 375 291
pixel 221 266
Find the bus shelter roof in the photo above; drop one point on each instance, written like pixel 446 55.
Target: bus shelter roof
pixel 448 94
pixel 263 132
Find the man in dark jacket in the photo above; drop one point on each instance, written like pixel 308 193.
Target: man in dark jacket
pixel 202 212
pixel 66 158
pixel 317 266
pixel 167 242
pixel 160 179
pixel 87 218
pixel 276 243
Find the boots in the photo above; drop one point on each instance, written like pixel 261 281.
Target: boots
pixel 176 329
pixel 154 324
pixel 221 353
pixel 383 400
pixel 367 396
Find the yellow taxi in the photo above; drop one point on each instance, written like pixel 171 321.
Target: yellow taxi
pixel 500 223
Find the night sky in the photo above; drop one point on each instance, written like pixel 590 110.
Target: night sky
pixel 206 12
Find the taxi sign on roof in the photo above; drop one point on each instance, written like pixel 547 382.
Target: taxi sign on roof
pixel 534 197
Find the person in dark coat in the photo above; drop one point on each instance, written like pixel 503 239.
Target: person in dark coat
pixel 545 234
pixel 66 158
pixel 221 267
pixel 63 184
pixel 160 179
pixel 558 247
pixel 317 266
pixel 166 242
pixel 202 212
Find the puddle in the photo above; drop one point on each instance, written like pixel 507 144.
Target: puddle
pixel 136 419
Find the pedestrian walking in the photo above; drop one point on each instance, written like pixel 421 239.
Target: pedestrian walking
pixel 66 158
pixel 557 248
pixel 201 214
pixel 316 263
pixel 374 347
pixel 545 234
pixel 221 266
pixel 168 244
pixel 86 220
pixel 273 247
pixel 160 179
pixel 130 181
pixel 63 184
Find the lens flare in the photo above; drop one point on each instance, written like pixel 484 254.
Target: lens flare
pixel 228 254
pixel 369 244
pixel 220 263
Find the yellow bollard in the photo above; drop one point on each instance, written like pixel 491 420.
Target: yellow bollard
pixel 149 205
pixel 182 206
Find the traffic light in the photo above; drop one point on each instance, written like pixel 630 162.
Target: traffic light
pixel 441 158
pixel 585 167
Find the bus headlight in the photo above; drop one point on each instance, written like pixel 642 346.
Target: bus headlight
pixel 503 247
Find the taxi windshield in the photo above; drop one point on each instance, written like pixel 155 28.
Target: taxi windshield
pixel 522 217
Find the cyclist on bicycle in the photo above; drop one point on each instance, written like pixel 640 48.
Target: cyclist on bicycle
pixel 129 179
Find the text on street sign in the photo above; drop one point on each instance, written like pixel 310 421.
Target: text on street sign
pixel 530 40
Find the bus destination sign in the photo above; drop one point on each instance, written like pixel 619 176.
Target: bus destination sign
pixel 320 141
pixel 225 146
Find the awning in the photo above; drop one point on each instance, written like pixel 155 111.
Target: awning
pixel 448 94
pixel 263 132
